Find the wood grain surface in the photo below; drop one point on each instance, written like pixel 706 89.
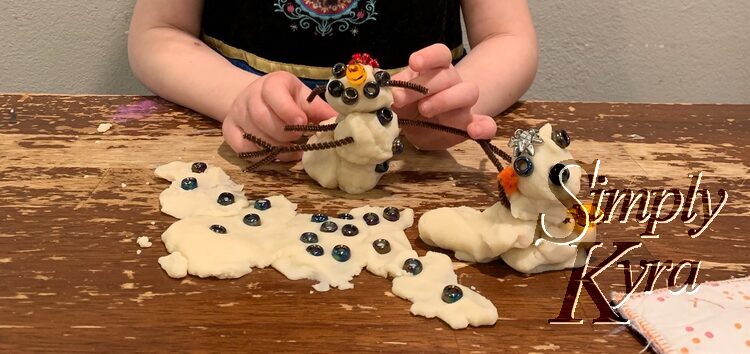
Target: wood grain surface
pixel 75 200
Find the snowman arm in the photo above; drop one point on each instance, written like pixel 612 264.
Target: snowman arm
pixel 311 128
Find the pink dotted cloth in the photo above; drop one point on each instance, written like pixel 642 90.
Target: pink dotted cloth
pixel 715 318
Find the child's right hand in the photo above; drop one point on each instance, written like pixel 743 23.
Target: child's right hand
pixel 268 104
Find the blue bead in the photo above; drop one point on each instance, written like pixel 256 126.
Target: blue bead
pixel 382 167
pixel 319 218
pixel 451 294
pixel 523 166
pixel 391 214
pixel 381 246
pixel 349 230
pixel 262 204
pixel 345 216
pixel 413 266
pixel 397 147
pixel 309 237
pixel 189 183
pixel 341 253
pixel 218 229
pixel 329 226
pixel 225 199
pixel 251 220
pixel 199 167
pixel 371 219
pixel 315 250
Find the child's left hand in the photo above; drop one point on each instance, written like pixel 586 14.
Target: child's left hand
pixel 449 101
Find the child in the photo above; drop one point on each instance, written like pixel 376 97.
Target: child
pixel 244 62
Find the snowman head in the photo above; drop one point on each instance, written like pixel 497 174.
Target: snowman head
pixel 361 86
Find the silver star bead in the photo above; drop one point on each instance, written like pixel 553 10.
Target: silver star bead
pixel 523 141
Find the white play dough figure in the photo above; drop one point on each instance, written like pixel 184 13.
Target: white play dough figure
pixel 511 230
pixel 352 150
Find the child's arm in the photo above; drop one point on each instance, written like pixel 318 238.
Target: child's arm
pixel 169 58
pixel 503 59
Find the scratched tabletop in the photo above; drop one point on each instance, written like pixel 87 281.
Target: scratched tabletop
pixel 74 200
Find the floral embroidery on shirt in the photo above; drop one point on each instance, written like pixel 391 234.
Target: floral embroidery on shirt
pixel 325 16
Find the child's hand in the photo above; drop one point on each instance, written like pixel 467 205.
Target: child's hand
pixel 449 102
pixel 268 104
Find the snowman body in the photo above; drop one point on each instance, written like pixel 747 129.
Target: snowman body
pixel 367 118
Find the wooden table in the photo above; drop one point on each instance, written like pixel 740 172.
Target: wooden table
pixel 74 201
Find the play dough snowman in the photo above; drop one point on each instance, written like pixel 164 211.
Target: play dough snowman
pixel 542 180
pixel 360 92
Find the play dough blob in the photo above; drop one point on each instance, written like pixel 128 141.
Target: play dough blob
pixel 208 193
pixel 328 250
pixel 427 289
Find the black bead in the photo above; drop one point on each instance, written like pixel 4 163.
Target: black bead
pixel 381 246
pixel 371 90
pixel 199 167
pixel 319 218
pixel 225 199
pixel 561 138
pixel 189 183
pixel 345 216
pixel 339 70
pixel 398 146
pixel 262 204
pixel 349 230
pixel 218 229
pixel 371 219
pixel 554 174
pixel 382 167
pixel 315 250
pixel 385 116
pixel 350 96
pixel 523 166
pixel 391 214
pixel 451 294
pixel 413 266
pixel 382 77
pixel 329 226
pixel 309 237
pixel 341 253
pixel 251 220
pixel 335 88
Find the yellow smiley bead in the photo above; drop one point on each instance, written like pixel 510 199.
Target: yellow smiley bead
pixel 356 74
